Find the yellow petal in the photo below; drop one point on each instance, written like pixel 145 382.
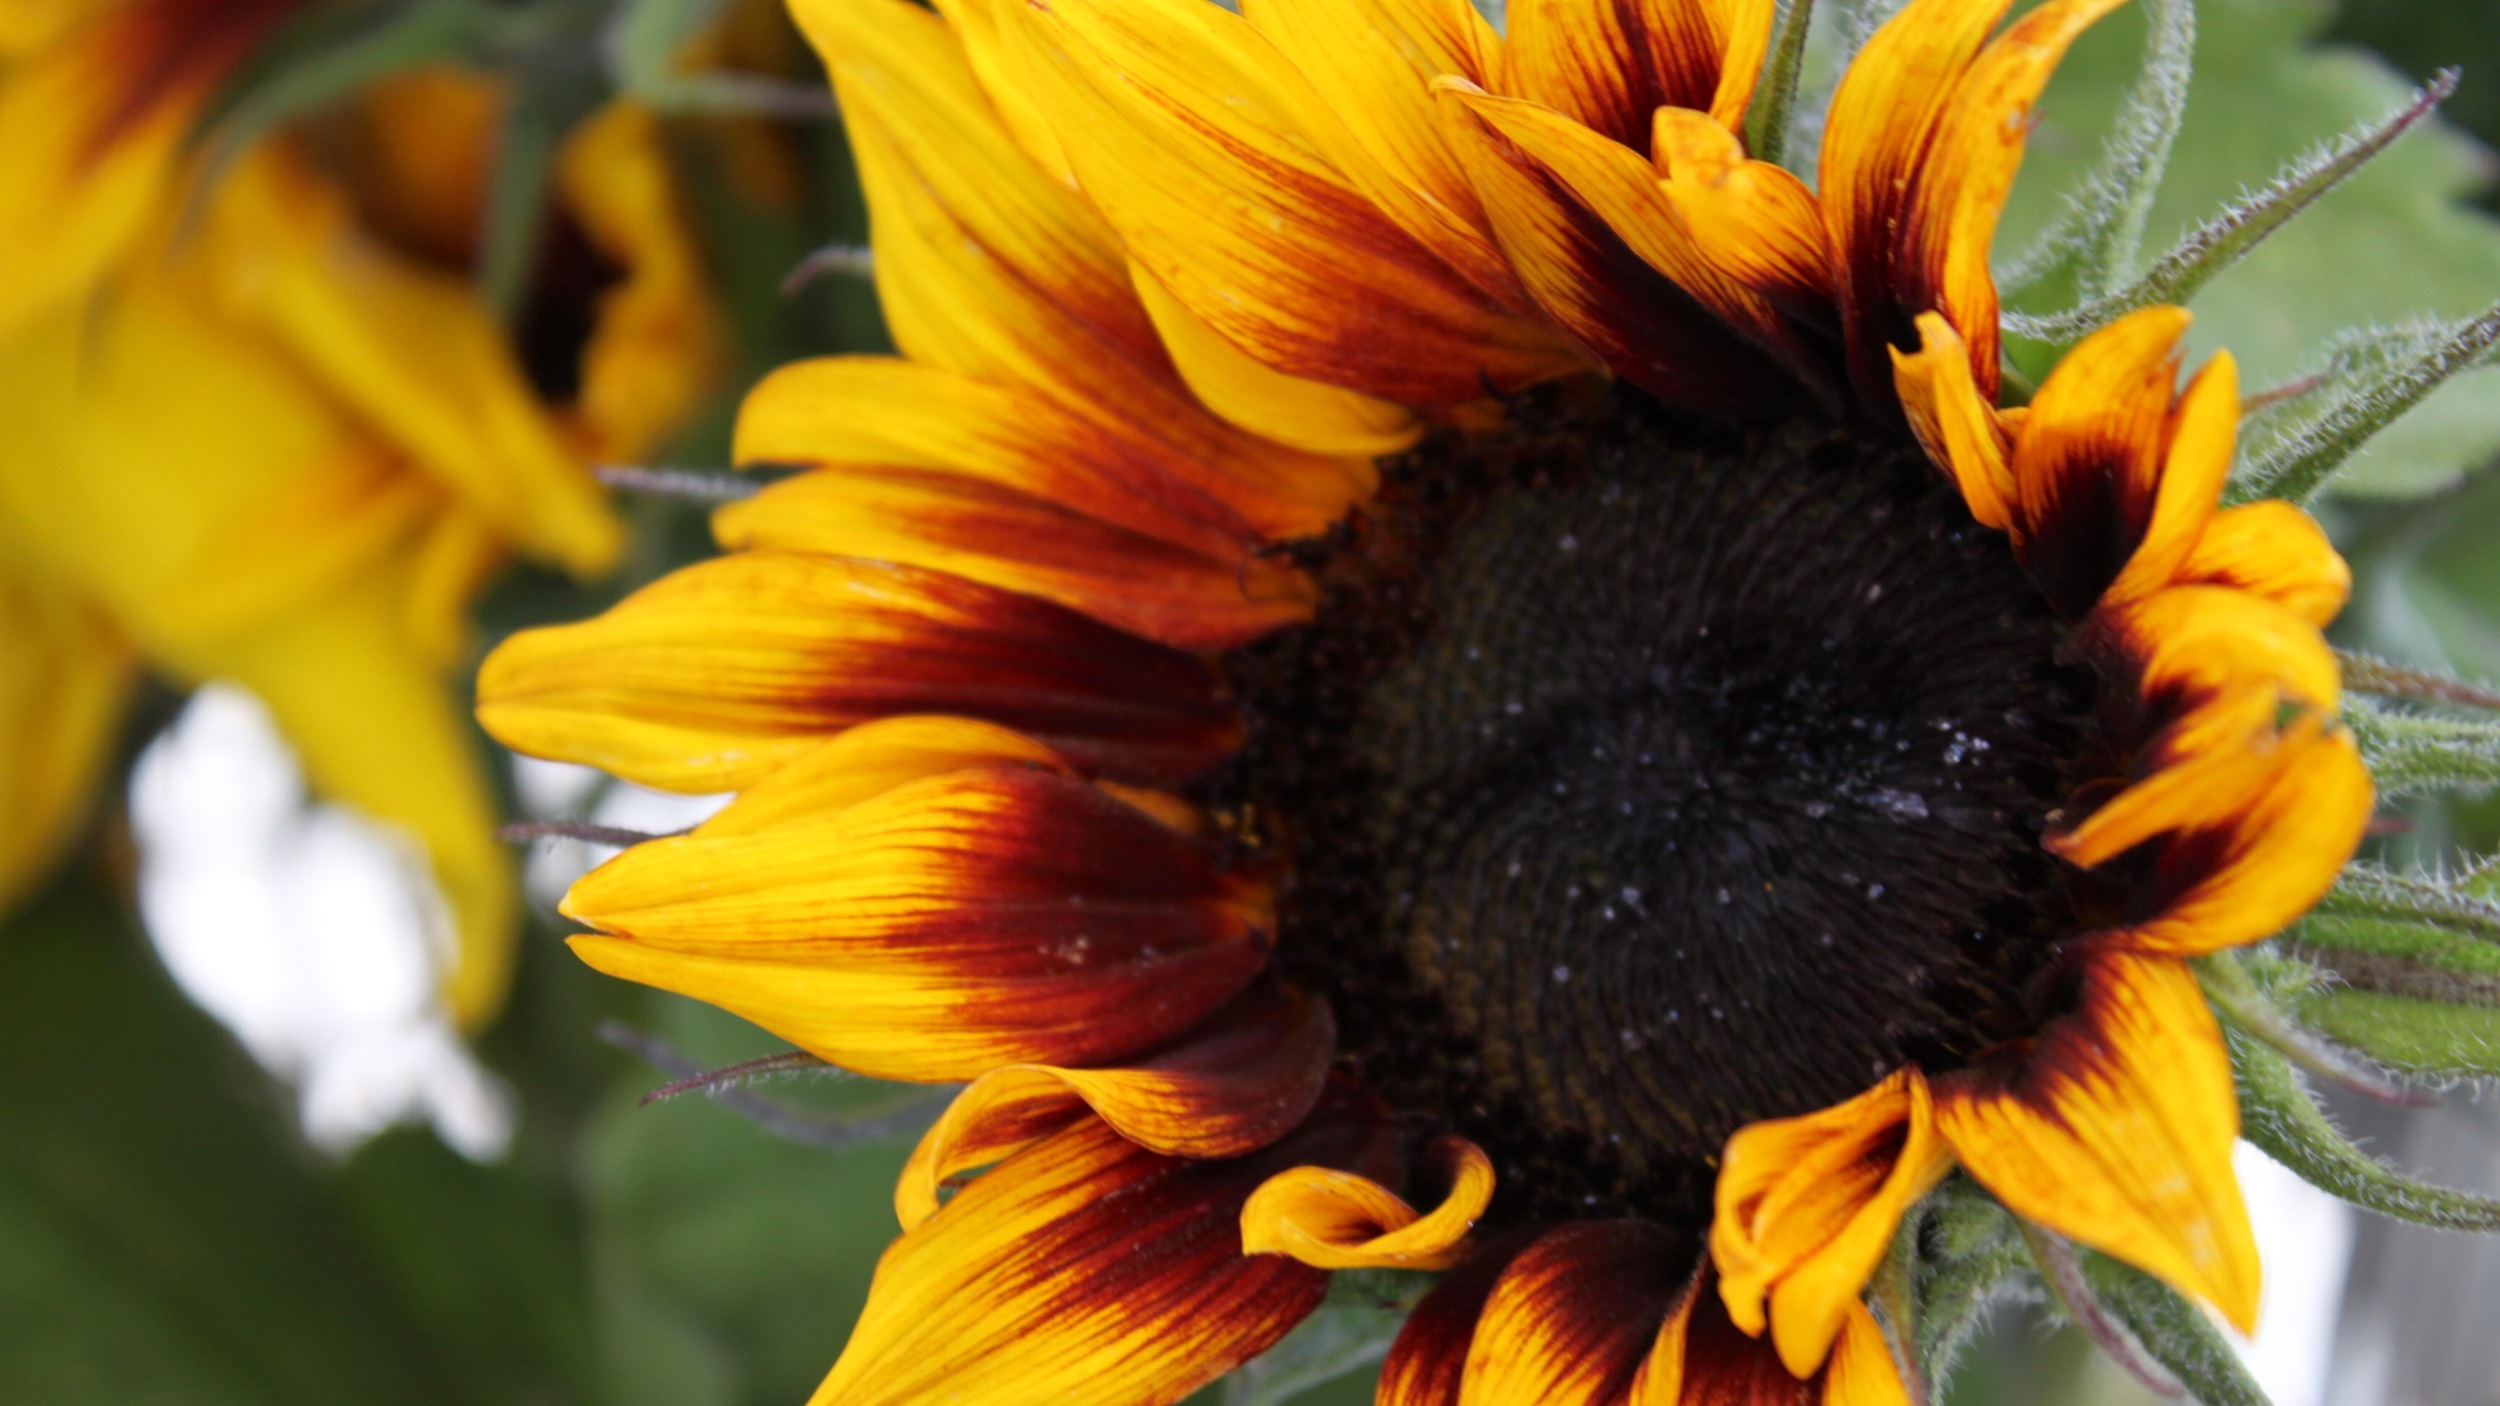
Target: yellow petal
pixel 975 23
pixel 1962 434
pixel 2193 643
pixel 941 928
pixel 1208 151
pixel 1807 1208
pixel 65 676
pixel 2275 550
pixel 1609 64
pixel 1237 1083
pixel 1750 218
pixel 1333 1219
pixel 1084 1268
pixel 721 672
pixel 868 761
pixel 2196 461
pixel 1882 116
pixel 656 341
pixel 1941 254
pixel 2115 1129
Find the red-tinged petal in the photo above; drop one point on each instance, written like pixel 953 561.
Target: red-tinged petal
pixel 721 672
pixel 941 928
pixel 2196 460
pixel 2088 463
pixel 2274 550
pixel 1241 1081
pixel 1634 319
pixel 1721 1366
pixel 2253 838
pixel 2191 644
pixel 1429 1357
pixel 1378 58
pixel 1751 219
pixel 870 760
pixel 2115 1129
pixel 1962 433
pixel 1622 190
pixel 1333 1219
pixel 1808 1206
pixel 990 267
pixel 1609 64
pixel 1574 1318
pixel 1084 1268
pixel 1310 415
pixel 1017 542
pixel 1940 260
pixel 1882 117
pixel 1209 152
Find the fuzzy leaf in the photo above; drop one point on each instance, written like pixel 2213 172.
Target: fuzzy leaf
pixel 2285 1123
pixel 2411 753
pixel 2432 1039
pixel 2366 384
pixel 2394 245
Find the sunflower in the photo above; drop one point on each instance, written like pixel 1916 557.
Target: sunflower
pixel 1425 664
pixel 263 428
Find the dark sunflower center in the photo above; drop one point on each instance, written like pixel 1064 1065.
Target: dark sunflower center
pixel 1643 779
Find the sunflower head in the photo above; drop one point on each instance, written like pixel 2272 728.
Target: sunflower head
pixel 1426 661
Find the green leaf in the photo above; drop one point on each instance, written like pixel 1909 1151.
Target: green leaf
pixel 2427 1038
pixel 2394 244
pixel 165 1237
pixel 2281 1118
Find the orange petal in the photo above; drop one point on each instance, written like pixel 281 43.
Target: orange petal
pixel 2088 463
pixel 1576 1315
pixel 2255 835
pixel 1208 151
pixel 1586 273
pixel 1886 109
pixel 1721 1366
pixel 870 760
pixel 941 928
pixel 1609 64
pixel 1961 432
pixel 1084 1268
pixel 2275 550
pixel 2115 1130
pixel 1751 219
pixel 1378 58
pixel 718 673
pixel 1230 1087
pixel 1940 259
pixel 1338 1220
pixel 1807 1208
pixel 2203 433
pixel 1428 1359
pixel 1034 546
pixel 2190 644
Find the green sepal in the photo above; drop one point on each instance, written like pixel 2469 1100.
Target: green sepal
pixel 1973 1257
pixel 2427 1038
pixel 330 52
pixel 2412 752
pixel 2369 380
pixel 2252 1010
pixel 2174 1332
pixel 2285 1122
pixel 2230 236
pixel 2093 244
pixel 551 92
pixel 1774 106
pixel 641 46
pixel 2367 673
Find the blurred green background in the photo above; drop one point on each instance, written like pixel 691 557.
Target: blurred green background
pixel 167 1236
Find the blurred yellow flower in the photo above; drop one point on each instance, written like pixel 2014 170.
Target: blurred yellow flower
pixel 263 429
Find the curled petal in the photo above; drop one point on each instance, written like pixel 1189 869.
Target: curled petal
pixel 1751 218
pixel 2274 550
pixel 2115 1129
pixel 1965 172
pixel 1576 1316
pixel 721 672
pixel 1082 1268
pixel 2195 462
pixel 1338 1220
pixel 1237 1083
pixel 1807 1208
pixel 1962 433
pixel 1609 64
pixel 2191 644
pixel 1717 1365
pixel 941 928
